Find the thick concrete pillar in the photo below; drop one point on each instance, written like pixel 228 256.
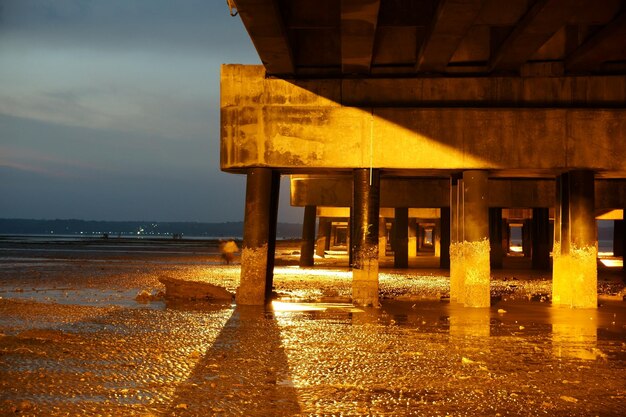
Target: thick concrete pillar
pixel 350 234
pixel 382 238
pixel 365 204
pixel 618 237
pixel 619 241
pixel 401 252
pixel 444 260
pixel 541 239
pixel 475 240
pixel 574 278
pixel 437 238
pixel 259 237
pixel 413 237
pixel 506 237
pixel 456 249
pixel 527 238
pixel 322 242
pixel 495 237
pixel 307 246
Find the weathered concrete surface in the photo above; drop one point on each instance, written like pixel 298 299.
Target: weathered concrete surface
pixel 194 290
pixel 259 237
pixel 575 274
pixel 475 245
pixel 365 240
pixel 335 191
pixel 306 125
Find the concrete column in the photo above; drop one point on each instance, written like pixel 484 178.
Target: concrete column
pixel 322 242
pixel 259 237
pixel 382 238
pixel 618 237
pixel 307 246
pixel 456 240
pixel 437 238
pixel 350 234
pixel 401 252
pixel 365 203
pixel 475 240
pixel 541 238
pixel 574 278
pixel 506 237
pixel 444 260
pixel 413 237
pixel 495 237
pixel 328 231
pixel 527 238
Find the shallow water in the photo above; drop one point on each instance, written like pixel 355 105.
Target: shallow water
pixel 75 342
pixel 425 358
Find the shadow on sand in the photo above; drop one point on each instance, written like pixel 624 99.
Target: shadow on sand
pixel 245 372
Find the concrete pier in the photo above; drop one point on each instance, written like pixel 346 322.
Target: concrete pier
pixel 456 249
pixel 412 236
pixel 307 246
pixel 540 238
pixel 401 238
pixel 382 237
pixel 364 241
pixel 574 279
pixel 322 243
pixel 475 243
pixel 495 237
pixel 259 237
pixel 444 259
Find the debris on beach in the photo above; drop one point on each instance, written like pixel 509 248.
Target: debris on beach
pixel 194 290
pixel 145 296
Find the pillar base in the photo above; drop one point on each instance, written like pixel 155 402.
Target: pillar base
pixel 470 273
pixel 365 285
pixel 251 289
pixel 575 278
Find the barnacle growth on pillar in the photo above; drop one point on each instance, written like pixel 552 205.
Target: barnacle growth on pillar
pixel 575 277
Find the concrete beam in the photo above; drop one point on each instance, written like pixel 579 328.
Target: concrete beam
pixel 248 86
pixel 452 20
pixel 358 30
pixel 266 28
pixel 264 125
pixel 537 26
pixel 602 46
pixel 329 191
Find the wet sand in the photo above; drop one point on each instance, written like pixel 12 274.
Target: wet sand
pixel 74 341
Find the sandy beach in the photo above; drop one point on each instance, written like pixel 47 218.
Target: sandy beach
pixel 75 340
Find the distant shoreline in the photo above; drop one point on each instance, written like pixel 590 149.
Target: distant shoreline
pixel 136 229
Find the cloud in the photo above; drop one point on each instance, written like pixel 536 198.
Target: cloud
pixel 109 109
pixel 180 26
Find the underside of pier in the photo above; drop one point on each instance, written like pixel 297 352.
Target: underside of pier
pixel 469 107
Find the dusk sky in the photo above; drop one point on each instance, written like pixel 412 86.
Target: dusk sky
pixel 109 110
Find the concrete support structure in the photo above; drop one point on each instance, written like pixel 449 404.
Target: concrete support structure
pixel 527 238
pixel 618 237
pixel 364 240
pixel 307 246
pixel 495 237
pixel 382 238
pixel 574 279
pixel 475 245
pixel 541 238
pixel 412 238
pixel 444 259
pixel 322 242
pixel 259 237
pixel 456 254
pixel 401 247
